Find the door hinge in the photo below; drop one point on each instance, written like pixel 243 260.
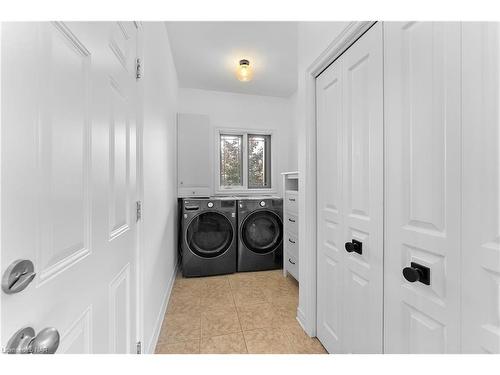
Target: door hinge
pixel 138 69
pixel 139 347
pixel 138 210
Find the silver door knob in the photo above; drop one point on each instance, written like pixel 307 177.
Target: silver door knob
pixel 24 341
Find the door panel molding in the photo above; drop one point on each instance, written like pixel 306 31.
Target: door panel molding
pixel 119 312
pixel 64 167
pixel 79 333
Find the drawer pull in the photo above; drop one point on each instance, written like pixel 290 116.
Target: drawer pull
pixel 291 241
pixel 291 199
pixel 291 220
pixel 291 261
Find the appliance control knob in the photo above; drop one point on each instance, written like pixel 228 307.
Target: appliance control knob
pixel 262 203
pixel 210 204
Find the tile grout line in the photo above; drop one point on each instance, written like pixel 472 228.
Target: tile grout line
pixel 238 315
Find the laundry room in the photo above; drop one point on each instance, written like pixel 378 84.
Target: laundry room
pixel 250 184
pixel 236 156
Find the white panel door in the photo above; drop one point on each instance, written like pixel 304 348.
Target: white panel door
pixel 330 253
pixel 349 97
pixel 68 181
pixel 480 188
pixel 363 193
pixel 422 139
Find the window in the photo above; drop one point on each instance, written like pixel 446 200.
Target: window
pixel 259 161
pixel 244 160
pixel 231 160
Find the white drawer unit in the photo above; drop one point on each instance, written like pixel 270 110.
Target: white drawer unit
pixel 291 224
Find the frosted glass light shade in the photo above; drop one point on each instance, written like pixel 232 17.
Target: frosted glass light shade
pixel 244 72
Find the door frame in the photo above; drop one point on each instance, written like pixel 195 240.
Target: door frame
pixel 139 246
pixel 306 312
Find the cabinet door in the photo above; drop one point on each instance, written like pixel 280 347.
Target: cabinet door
pixel 330 253
pixel 194 172
pixel 363 194
pixel 480 188
pixel 422 139
pixel 350 198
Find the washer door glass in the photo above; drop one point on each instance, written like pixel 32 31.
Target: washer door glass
pixel 209 234
pixel 261 231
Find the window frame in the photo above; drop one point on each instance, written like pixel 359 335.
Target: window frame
pixel 243 189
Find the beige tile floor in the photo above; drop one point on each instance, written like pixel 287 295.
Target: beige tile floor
pixel 241 313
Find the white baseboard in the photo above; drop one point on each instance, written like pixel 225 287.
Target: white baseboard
pixel 301 319
pixel 159 320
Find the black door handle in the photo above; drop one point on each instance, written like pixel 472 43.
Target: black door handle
pixel 354 246
pixel 417 272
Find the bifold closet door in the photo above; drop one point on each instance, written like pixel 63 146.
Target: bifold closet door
pixel 422 80
pixel 350 198
pixel 480 188
pixel 330 252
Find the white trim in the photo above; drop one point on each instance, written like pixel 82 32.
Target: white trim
pixel 159 320
pixel 139 282
pixel 243 189
pixel 306 311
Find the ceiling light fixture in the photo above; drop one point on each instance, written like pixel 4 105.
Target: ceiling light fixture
pixel 244 72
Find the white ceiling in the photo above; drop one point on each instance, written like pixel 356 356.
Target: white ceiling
pixel 206 55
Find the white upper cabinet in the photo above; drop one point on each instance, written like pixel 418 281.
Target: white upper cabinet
pixel 422 186
pixel 194 165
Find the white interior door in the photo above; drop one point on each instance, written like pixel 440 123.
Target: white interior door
pixel 330 254
pixel 68 181
pixel 422 136
pixel 480 188
pixel 363 187
pixel 349 97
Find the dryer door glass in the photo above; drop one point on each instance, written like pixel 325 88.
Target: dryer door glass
pixel 261 231
pixel 209 234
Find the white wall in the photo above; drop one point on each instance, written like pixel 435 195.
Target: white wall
pixel 159 253
pixel 233 110
pixel 313 39
pixel 293 143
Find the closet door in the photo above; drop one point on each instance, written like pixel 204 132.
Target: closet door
pixel 422 130
pixel 330 254
pixel 363 195
pixel 350 198
pixel 480 188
